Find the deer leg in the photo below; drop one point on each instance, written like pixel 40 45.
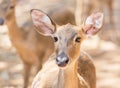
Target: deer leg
pixel 39 66
pixel 40 58
pixel 43 57
pixel 27 69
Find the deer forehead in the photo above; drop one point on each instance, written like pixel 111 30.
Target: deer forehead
pixel 68 32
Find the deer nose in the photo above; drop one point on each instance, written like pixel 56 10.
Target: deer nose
pixel 1 21
pixel 62 60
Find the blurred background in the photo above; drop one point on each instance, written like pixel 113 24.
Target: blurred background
pixel 104 47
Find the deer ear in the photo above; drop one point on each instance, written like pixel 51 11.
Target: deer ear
pixel 93 23
pixel 44 25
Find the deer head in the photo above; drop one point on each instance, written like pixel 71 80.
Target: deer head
pixel 67 38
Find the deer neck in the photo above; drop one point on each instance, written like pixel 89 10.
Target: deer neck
pixel 14 30
pixel 67 77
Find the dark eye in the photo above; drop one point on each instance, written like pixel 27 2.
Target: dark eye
pixel 55 39
pixel 12 7
pixel 77 39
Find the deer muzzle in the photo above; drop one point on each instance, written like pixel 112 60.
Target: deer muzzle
pixel 62 60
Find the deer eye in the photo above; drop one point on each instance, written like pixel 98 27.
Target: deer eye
pixel 78 39
pixel 12 7
pixel 55 39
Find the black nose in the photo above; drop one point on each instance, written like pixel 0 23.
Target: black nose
pixel 62 60
pixel 1 21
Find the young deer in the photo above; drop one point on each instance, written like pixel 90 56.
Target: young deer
pixel 85 7
pixel 32 48
pixel 68 66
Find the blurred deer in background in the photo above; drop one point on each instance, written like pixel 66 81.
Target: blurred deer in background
pixel 85 7
pixel 68 66
pixel 32 48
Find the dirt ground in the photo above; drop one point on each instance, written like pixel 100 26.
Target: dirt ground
pixel 105 52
